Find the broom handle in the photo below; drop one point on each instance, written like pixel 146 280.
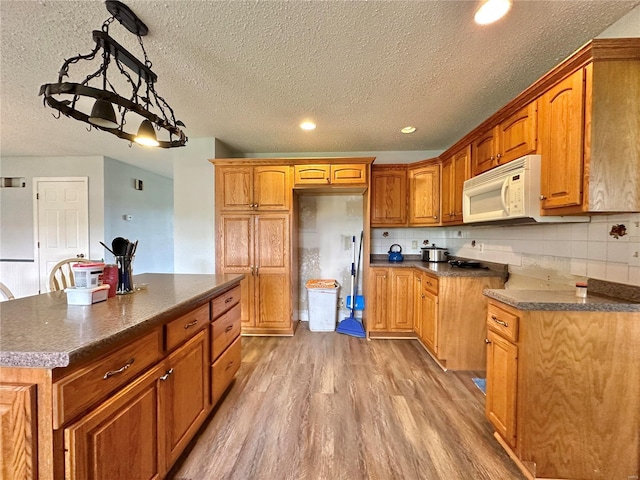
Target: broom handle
pixel 353 273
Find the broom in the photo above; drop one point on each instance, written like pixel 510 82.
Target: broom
pixel 350 325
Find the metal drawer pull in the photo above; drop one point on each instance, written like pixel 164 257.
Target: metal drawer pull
pixel 111 373
pixel 228 329
pixel 166 375
pixel 227 300
pixel 499 322
pixel 229 366
pixel 487 341
pixel 190 324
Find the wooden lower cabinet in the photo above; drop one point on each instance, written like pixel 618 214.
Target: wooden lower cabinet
pixel 452 316
pixel 139 433
pixel 119 439
pixel 18 435
pixel 564 392
pixel 401 300
pixel 502 375
pixel 184 395
pixel 392 309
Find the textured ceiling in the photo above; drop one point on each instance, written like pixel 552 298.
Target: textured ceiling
pixel 248 73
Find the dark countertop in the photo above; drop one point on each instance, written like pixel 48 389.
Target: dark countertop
pixel 561 300
pixel 440 269
pixel 42 331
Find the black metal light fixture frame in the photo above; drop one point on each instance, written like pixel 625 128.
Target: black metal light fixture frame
pixel 138 102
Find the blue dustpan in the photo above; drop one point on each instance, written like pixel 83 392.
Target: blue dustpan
pixel 359 303
pixel 351 326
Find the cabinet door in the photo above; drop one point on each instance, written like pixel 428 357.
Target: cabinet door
pixel 349 174
pixel 461 172
pixel 519 133
pixel 401 300
pixel 379 304
pixel 236 243
pixel 272 283
pixel 18 437
pixel 417 303
pixel 430 320
pixel 185 394
pixel 447 174
pixel 271 188
pixel 561 132
pixel 234 188
pixel 312 174
pixel 424 195
pixel 117 440
pixel 502 376
pixel 484 152
pixel 388 197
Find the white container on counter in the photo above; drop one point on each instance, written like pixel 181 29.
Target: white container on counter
pixel 87 296
pixel 88 275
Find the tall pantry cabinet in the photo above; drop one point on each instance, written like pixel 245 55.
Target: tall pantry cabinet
pixel 254 222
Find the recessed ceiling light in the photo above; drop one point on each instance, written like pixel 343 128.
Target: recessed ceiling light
pixel 491 11
pixel 408 129
pixel 307 125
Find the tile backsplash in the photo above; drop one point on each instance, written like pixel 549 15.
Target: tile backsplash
pixel 607 248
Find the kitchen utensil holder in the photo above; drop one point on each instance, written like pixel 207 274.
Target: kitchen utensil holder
pixel 125 274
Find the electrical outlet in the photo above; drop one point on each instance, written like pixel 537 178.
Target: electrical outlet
pixel 341 302
pixel 481 246
pixel 414 244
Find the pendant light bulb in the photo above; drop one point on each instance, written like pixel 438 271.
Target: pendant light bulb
pixel 103 114
pixel 147 135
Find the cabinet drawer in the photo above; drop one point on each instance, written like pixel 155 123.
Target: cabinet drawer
pixel 503 322
pixel 430 283
pixel 81 389
pixel 225 329
pixel 224 302
pixel 186 326
pixel 223 370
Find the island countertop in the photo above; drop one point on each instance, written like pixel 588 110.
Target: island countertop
pixel 42 331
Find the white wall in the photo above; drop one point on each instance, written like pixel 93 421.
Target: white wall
pixel 540 256
pixel 151 211
pixel 16 214
pixel 326 226
pixel 193 204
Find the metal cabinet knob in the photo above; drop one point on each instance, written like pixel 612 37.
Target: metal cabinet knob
pixel 542 197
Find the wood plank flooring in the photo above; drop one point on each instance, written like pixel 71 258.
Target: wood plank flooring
pixel 329 406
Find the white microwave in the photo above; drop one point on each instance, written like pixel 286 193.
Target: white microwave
pixel 509 193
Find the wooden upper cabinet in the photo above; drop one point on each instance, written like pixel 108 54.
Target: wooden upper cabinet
pixel 388 196
pixel 424 195
pixel 561 127
pixel 512 138
pixel 455 170
pixel 518 134
pixel 312 174
pixel 330 174
pixel 484 152
pixel 259 188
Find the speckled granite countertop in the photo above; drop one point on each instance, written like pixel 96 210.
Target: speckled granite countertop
pixel 42 331
pixel 564 300
pixel 440 269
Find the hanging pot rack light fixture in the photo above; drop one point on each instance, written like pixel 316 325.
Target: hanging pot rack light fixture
pixel 142 99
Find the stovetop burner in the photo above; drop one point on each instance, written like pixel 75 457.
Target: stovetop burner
pixel 466 264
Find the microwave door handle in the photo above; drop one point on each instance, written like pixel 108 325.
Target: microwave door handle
pixel 503 196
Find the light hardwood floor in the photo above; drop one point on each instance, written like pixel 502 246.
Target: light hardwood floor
pixel 329 406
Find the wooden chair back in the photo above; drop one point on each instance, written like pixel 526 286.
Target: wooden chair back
pixel 5 292
pixel 61 275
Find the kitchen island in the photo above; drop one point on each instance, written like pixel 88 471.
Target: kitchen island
pixel 82 386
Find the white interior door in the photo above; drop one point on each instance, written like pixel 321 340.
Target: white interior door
pixel 62 222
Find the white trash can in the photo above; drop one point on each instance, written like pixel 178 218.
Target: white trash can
pixel 323 305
